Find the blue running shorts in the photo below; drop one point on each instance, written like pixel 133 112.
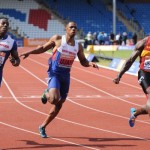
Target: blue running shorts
pixel 62 83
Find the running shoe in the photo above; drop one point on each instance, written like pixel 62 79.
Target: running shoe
pixel 43 98
pixel 42 132
pixel 132 117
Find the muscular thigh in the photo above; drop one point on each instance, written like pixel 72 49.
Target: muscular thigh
pixel 64 88
pixel 59 87
pixel 54 87
pixel 144 80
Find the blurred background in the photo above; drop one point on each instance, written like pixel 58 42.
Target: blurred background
pixel 107 29
pixel 38 20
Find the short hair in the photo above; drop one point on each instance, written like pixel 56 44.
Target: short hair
pixel 70 22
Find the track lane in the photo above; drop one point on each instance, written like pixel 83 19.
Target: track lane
pixel 65 109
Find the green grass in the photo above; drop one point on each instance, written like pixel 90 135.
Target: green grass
pixel 104 62
pixel 115 54
pixel 122 54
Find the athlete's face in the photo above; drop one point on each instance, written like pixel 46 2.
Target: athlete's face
pixel 3 26
pixel 71 29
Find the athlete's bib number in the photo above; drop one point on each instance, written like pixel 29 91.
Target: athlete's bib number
pixel 147 64
pixel 66 61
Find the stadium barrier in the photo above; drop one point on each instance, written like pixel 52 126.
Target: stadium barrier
pixel 118 64
pixel 92 58
pixel 33 42
pixel 95 48
pixel 99 48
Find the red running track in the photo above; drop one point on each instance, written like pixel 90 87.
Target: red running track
pixel 95 115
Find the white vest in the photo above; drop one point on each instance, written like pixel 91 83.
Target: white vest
pixel 68 53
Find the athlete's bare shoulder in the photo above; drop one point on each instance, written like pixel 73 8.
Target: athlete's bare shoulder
pixel 56 37
pixel 141 44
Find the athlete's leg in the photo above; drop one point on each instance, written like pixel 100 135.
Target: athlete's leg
pixel 58 90
pixel 144 81
pixel 54 98
pixel 147 106
pixel 53 113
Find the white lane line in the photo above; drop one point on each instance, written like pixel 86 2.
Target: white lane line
pixel 56 139
pixel 106 77
pixel 69 120
pixel 94 88
pixel 78 97
pixel 72 122
pixel 83 83
pixel 104 112
pixel 111 95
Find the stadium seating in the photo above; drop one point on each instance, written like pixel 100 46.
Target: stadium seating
pixel 43 17
pixel 92 16
pixel 141 15
pixel 29 20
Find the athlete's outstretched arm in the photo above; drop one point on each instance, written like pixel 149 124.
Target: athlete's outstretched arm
pixel 137 51
pixel 41 49
pixel 84 62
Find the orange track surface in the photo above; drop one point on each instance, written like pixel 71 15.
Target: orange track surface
pixel 95 115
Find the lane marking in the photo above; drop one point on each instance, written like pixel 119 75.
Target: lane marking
pixel 87 106
pixel 72 122
pixel 83 82
pixel 43 114
pixel 78 97
pixel 56 139
pixel 86 125
pixel 76 103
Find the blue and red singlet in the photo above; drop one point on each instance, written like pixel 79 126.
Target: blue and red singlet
pixel 62 58
pixel 7 44
pixel 60 65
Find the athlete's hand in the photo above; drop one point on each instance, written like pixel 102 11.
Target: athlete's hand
pixel 116 80
pixel 25 55
pixel 13 61
pixel 94 65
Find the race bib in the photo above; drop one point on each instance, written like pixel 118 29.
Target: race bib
pixel 2 58
pixel 66 61
pixel 147 64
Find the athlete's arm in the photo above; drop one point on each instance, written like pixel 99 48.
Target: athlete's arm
pixel 137 51
pixel 14 58
pixel 43 48
pixel 83 61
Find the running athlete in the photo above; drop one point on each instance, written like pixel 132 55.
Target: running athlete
pixel 142 49
pixel 8 46
pixel 65 50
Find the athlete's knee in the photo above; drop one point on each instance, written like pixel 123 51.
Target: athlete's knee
pixel 54 99
pixel 57 100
